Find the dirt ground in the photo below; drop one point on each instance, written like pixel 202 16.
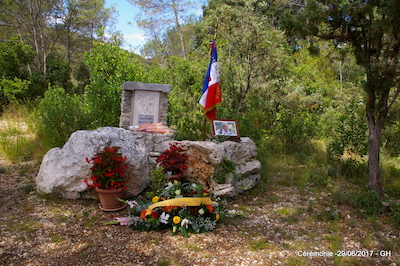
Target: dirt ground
pixel 281 226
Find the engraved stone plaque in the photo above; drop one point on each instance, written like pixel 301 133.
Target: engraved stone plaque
pixel 146 107
pixel 144 103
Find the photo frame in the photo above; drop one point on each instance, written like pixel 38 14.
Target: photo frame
pixel 223 127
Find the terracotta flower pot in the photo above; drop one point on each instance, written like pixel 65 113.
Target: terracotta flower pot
pixel 109 199
pixel 172 178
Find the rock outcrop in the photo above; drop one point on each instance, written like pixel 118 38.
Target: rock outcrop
pixel 206 158
pixel 63 170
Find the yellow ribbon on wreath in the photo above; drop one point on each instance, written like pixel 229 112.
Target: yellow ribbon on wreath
pixel 185 201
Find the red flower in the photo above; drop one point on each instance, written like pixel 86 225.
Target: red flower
pixel 143 214
pixel 169 208
pixel 108 169
pixel 210 208
pixel 109 149
pixel 174 159
pixel 154 214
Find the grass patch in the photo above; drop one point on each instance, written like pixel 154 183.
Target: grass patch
pixel 287 211
pixel 259 244
pixel 57 239
pixel 30 226
pixel 27 188
pixel 89 218
pixel 368 202
pixel 164 262
pixel 27 207
pixel 391 176
pixel 296 261
pixel 193 247
pixel 51 197
pixel 289 215
pixel 328 215
pixel 334 242
pixel 17 143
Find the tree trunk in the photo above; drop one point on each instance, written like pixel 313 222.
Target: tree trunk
pixel 250 69
pixel 375 131
pixel 178 27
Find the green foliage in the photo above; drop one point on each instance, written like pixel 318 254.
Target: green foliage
pixel 218 138
pixel 164 18
pixel 258 244
pixel 350 132
pixel 110 67
pixel 14 58
pixel 11 90
pixel 395 212
pixel 222 171
pixel 369 202
pixel 100 105
pixel 184 113
pixel 353 170
pixel 391 177
pixel 319 177
pixel 294 131
pixel 391 140
pixel 157 177
pixel 343 22
pixel 103 95
pixel 253 54
pixel 58 72
pixel 58 116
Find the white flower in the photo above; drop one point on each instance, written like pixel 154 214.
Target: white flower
pixel 194 185
pixel 164 218
pixel 185 222
pixel 125 220
pixel 132 203
pixel 201 211
pixel 170 185
pixel 178 192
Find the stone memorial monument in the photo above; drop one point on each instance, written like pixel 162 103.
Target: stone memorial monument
pixel 143 103
pixel 142 138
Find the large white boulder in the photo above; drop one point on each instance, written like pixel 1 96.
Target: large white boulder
pixel 63 170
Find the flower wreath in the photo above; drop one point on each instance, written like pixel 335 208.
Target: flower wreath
pixel 186 207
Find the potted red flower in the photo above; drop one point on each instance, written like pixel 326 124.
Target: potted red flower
pixel 108 177
pixel 174 161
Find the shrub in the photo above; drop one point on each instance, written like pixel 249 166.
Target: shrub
pixel 369 202
pixel 58 116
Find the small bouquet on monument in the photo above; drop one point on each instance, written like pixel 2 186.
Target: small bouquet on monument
pixel 174 161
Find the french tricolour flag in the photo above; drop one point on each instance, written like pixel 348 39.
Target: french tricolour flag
pixel 211 93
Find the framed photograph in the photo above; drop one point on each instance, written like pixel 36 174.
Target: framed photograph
pixel 225 128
